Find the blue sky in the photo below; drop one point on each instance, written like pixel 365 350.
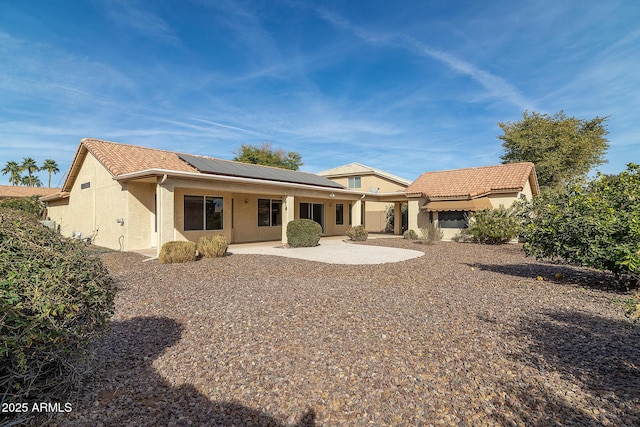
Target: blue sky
pixel 405 86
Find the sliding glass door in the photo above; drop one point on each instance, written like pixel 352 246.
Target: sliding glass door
pixel 313 211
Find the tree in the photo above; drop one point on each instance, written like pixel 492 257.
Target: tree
pixel 561 147
pixel 265 155
pixel 594 224
pixel 29 165
pixel 51 167
pixel 13 170
pixel 31 181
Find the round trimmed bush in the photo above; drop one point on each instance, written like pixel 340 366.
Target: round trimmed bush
pixel 358 233
pixel 178 251
pixel 213 246
pixel 303 233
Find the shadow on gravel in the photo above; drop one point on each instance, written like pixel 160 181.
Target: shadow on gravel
pixel 600 357
pixel 557 274
pixel 128 390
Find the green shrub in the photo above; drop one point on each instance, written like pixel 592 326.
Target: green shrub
pixel 594 224
pixel 303 233
pixel 410 235
pixel 494 226
pixel 26 204
pixel 213 246
pixel 174 252
pixel 431 233
pixel 54 296
pixel 357 233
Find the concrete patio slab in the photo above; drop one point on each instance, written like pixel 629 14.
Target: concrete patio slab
pixel 334 250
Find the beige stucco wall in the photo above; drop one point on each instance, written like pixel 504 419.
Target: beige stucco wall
pixel 106 200
pixel 94 211
pixel 240 209
pixel 141 216
pixel 375 212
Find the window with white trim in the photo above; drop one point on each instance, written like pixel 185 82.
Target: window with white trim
pixel 355 182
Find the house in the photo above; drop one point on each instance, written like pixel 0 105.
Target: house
pixel 130 197
pixel 18 191
pixel 446 198
pixel 357 176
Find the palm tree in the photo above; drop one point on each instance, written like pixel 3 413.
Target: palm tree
pixel 32 181
pixel 51 167
pixel 13 170
pixel 29 165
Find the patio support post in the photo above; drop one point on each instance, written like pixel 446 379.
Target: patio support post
pixel 412 212
pixel 397 218
pixel 356 213
pixel 288 215
pixel 166 227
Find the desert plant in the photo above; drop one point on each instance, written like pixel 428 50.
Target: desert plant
pixel 462 237
pixel 213 246
pixel 54 296
pixel 410 235
pixel 357 233
pixel 431 233
pixel 494 226
pixel 303 233
pixel 175 252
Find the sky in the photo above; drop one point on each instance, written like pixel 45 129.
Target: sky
pixel 404 86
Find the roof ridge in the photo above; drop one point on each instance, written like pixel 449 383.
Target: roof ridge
pixel 484 167
pixel 178 153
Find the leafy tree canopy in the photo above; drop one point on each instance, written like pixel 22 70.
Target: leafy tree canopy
pixel 267 156
pixel 561 147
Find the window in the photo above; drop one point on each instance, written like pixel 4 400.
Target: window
pixel 269 212
pixel 85 185
pixel 339 214
pixel 350 214
pixel 203 213
pixel 452 219
pixel 355 182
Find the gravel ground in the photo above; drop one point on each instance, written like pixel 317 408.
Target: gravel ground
pixel 465 335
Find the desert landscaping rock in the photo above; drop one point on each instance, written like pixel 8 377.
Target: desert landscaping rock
pixel 463 335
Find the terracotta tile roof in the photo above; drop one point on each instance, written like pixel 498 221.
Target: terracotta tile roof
pixel 120 159
pixel 474 182
pixel 17 191
pixel 360 169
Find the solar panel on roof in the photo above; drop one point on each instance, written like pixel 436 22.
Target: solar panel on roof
pixel 244 170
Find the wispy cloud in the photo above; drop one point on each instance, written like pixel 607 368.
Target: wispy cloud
pixel 497 86
pixel 126 13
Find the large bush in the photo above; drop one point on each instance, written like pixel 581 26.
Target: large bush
pixel 54 296
pixel 303 233
pixel 177 251
pixel 213 246
pixel 26 204
pixel 494 226
pixel 594 224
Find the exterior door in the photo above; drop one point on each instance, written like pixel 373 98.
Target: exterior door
pixel 313 211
